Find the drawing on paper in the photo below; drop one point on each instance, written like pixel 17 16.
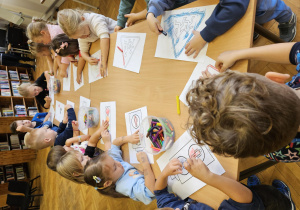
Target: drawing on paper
pixel 192 150
pixel 180 28
pixel 129 44
pixel 135 118
pixel 107 116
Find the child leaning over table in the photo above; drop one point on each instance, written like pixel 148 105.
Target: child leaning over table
pixel 112 176
pixel 41 138
pixel 258 197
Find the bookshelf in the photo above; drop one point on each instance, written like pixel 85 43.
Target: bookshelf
pixel 12 105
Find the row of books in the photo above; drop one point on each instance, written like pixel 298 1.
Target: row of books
pixel 7 112
pixel 32 111
pixel 8 174
pixel 20 111
pixel 4 88
pixel 14 141
pixel 20 172
pixel 13 75
pixel 14 85
pixel 24 76
pixel 3 74
pixel 4 146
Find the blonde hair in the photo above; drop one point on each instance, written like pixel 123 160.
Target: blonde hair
pixel 34 140
pixel 69 165
pixel 70 20
pixel 35 27
pixel 36 48
pixel 23 89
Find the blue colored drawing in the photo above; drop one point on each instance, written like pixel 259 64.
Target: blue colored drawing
pixel 180 28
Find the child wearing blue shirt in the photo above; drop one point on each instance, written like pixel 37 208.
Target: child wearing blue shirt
pixel 111 175
pixel 38 121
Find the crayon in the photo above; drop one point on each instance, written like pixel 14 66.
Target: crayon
pixel 178 105
pixel 163 32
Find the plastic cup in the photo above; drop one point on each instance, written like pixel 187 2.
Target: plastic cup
pixel 56 86
pixel 88 117
pixel 156 134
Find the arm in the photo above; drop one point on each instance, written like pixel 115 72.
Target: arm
pixel 124 8
pixel 148 173
pixel 80 67
pixel 75 127
pixel 133 17
pixel 47 76
pixel 47 116
pixel 96 135
pixel 72 140
pixel 104 46
pixel 38 116
pixel 278 53
pixel 23 129
pixel 48 102
pixel 50 64
pixel 235 190
pixel 134 139
pixel 106 139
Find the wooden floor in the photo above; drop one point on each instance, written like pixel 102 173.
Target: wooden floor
pixel 61 194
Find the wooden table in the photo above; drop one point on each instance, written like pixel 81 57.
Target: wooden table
pixel 157 85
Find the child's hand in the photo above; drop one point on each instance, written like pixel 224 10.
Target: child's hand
pixel 198 169
pixel 134 138
pixel 105 136
pixel 103 70
pixel 47 98
pixel 195 45
pixel 132 18
pixel 153 23
pixel 142 157
pixel 206 74
pixel 68 106
pixel 78 79
pixel 20 128
pixel 93 61
pixel 85 137
pixel 226 59
pixel 173 167
pixel 104 126
pixel 75 125
pixel 117 28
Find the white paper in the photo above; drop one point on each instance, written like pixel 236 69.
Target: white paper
pixel 59 111
pixel 94 70
pixel 51 90
pixel 129 51
pixel 71 103
pixel 87 103
pixel 51 118
pixel 205 63
pixel 179 26
pixel 76 85
pixel 108 112
pixel 185 147
pixel 67 80
pixel 133 121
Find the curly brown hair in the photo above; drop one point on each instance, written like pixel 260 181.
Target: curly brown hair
pixel 242 114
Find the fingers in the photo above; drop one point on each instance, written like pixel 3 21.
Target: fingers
pixel 136 132
pixel 196 53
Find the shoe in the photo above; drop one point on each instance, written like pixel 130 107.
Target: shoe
pixel 288 30
pixel 255 36
pixel 284 189
pixel 252 181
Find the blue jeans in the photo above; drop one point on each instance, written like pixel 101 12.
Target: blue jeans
pixel 267 10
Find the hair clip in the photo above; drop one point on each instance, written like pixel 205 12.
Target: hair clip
pixel 97 179
pixel 62 46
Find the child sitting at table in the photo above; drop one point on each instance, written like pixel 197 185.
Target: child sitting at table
pixel 86 147
pixel 258 197
pixel 112 176
pixel 87 28
pixel 225 15
pixel 38 121
pixel 243 114
pixel 64 46
pixel 41 138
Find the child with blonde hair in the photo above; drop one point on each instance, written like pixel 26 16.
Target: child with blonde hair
pixel 41 31
pixel 112 176
pixel 87 28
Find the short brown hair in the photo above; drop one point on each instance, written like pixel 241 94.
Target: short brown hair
pixel 54 156
pixel 242 114
pixel 13 127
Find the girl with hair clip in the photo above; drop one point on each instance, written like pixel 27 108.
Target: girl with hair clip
pixel 64 46
pixel 112 176
pixel 87 28
pixel 41 31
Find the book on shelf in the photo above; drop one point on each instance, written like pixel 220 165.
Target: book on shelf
pixel 9 173
pixel 15 85
pixel 4 146
pixel 20 172
pixel 24 76
pixel 14 142
pixel 4 88
pixel 6 112
pixel 20 111
pixel 13 75
pixel 32 111
pixel 2 179
pixel 3 74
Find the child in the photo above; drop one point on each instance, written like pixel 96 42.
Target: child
pixel 87 28
pixel 243 114
pixel 39 90
pixel 240 197
pixel 123 16
pixel 41 31
pixel 224 16
pixel 41 138
pixel 112 176
pixel 39 120
pixel 86 148
pixel 64 46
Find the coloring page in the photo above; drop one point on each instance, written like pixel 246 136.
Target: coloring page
pixel 185 147
pixel 59 111
pixel 133 120
pixel 206 63
pixel 87 103
pixel 67 81
pixel 179 26
pixel 108 112
pixel 71 103
pixel 76 85
pixel 94 70
pixel 129 51
pixel 51 118
pixel 51 90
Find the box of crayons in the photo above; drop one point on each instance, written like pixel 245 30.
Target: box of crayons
pixel 156 134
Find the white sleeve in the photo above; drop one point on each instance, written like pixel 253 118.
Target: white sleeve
pixel 100 25
pixel 84 45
